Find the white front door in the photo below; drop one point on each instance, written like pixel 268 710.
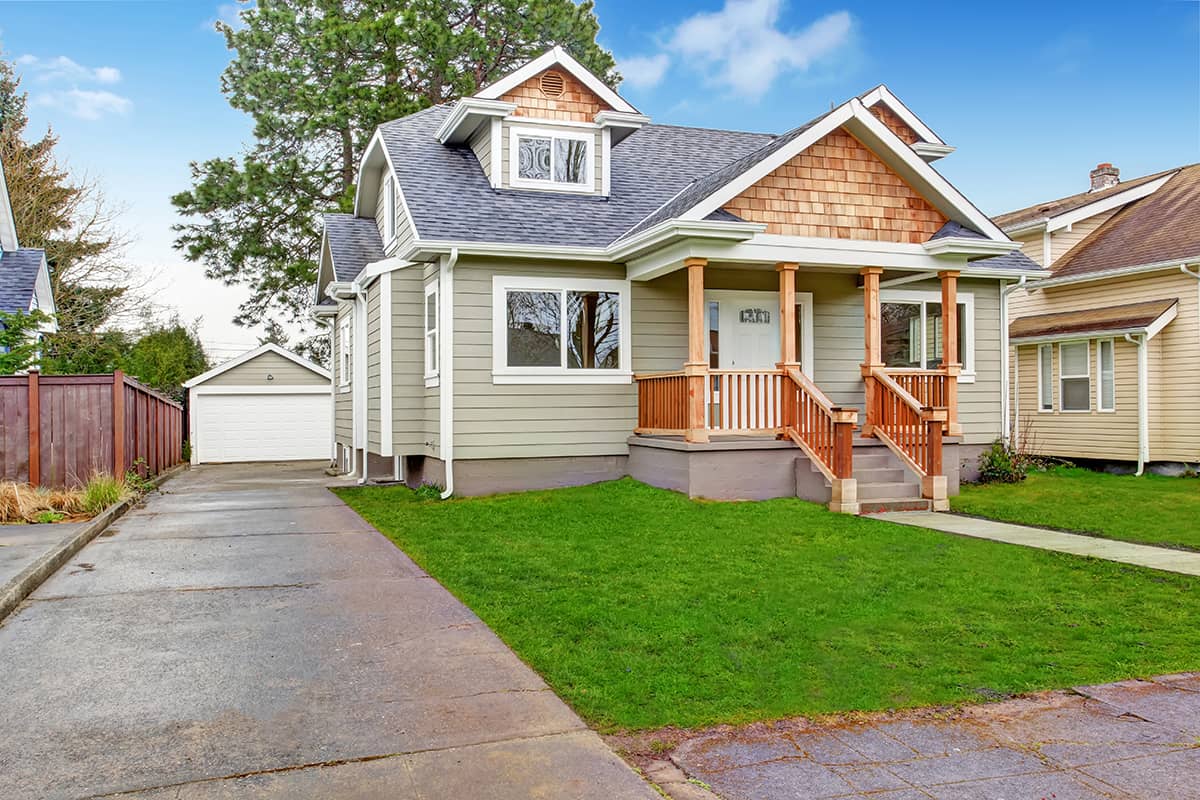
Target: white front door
pixel 743 329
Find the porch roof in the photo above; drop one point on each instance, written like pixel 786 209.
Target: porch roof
pixel 1131 318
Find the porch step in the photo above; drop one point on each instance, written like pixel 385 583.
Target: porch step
pixel 880 474
pixel 882 505
pixel 891 491
pixel 873 460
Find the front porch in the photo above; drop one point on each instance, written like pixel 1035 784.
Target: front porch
pixel 767 413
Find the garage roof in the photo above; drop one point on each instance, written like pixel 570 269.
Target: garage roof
pixel 269 347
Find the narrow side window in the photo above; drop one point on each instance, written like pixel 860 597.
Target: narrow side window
pixel 1045 378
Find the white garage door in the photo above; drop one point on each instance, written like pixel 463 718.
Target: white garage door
pixel 261 427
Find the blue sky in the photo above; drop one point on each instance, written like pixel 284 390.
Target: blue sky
pixel 1033 95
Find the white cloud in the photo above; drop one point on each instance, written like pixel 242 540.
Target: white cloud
pixel 84 103
pixel 61 68
pixel 741 47
pixel 644 72
pixel 230 14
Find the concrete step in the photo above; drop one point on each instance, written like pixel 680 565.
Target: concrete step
pixel 899 490
pixel 880 474
pixel 874 460
pixel 881 505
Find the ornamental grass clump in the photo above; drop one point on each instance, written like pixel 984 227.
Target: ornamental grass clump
pixel 20 502
pixel 102 491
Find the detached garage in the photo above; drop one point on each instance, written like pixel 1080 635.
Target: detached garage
pixel 265 405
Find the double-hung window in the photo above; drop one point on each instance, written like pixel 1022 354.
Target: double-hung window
pixel 1045 374
pixel 1106 389
pixel 345 347
pixel 389 209
pixel 543 159
pixel 1074 377
pixel 432 314
pixel 912 333
pixel 560 330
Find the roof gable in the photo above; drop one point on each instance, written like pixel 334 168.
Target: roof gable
pixel 20 273
pixel 556 57
pixel 1082 202
pixel 848 193
pixel 573 102
pixel 269 347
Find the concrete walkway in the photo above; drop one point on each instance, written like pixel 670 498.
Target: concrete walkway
pixel 245 634
pixel 1134 739
pixel 21 545
pixel 1141 555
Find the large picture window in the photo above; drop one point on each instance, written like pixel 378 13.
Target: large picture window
pixel 560 330
pixel 1074 377
pixel 912 332
pixel 551 160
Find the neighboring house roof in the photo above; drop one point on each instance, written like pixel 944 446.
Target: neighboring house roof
pixel 1162 227
pixel 1129 318
pixel 353 243
pixel 449 196
pixel 1053 208
pixel 18 278
pixel 269 347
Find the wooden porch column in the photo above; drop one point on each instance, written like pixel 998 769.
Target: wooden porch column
pixel 787 315
pixel 696 367
pixel 872 336
pixel 951 358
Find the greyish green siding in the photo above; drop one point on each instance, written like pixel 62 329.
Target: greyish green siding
pixel 374 427
pixel 283 372
pixel 404 227
pixel 481 143
pixel 431 444
pixel 408 362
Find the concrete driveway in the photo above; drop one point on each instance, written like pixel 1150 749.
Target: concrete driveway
pixel 245 634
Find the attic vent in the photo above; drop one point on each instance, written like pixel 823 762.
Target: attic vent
pixel 552 84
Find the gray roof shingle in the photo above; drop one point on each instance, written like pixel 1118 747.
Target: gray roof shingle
pixel 18 277
pixel 354 242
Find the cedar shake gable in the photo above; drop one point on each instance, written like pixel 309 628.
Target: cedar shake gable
pixel 558 95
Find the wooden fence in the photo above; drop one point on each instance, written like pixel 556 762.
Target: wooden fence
pixel 58 430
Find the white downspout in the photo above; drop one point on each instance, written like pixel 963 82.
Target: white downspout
pixel 333 387
pixel 1010 427
pixel 446 365
pixel 1143 403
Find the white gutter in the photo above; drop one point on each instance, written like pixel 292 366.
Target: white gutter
pixel 1120 272
pixel 1009 434
pixel 446 365
pixel 1143 402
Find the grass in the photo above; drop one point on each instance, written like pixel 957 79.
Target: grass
pixel 643 609
pixel 1151 509
pixel 21 503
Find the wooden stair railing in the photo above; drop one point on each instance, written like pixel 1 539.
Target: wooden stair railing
pixel 825 433
pixel 936 388
pixel 912 430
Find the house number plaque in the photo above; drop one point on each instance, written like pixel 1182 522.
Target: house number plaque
pixel 755 316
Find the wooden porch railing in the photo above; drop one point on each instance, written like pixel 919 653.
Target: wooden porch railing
pixel 825 432
pixel 911 429
pixel 935 388
pixel 662 404
pixel 744 402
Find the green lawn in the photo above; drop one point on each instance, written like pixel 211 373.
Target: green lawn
pixel 643 608
pixel 1150 509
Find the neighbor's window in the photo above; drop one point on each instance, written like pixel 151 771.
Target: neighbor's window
pixel 560 327
pixel 1074 377
pixel 432 354
pixel 560 160
pixel 1045 377
pixel 389 209
pixel 1106 399
pixel 344 352
pixel 912 333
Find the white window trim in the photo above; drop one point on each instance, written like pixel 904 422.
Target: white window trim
pixel 1087 360
pixel 389 209
pixel 1100 376
pixel 1043 406
pixel 432 376
pixel 588 186
pixel 923 296
pixel 345 354
pixel 504 374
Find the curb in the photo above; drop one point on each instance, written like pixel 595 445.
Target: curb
pixel 30 578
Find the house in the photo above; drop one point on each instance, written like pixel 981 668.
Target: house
pixel 24 273
pixel 1106 361
pixel 268 404
pixel 538 286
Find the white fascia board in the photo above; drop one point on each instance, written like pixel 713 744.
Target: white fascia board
pixel 378 268
pixel 376 145
pixel 1121 272
pixel 43 295
pixel 674 229
pixel 8 223
pixel 1164 319
pixel 562 58
pixel 431 250
pixel 256 389
pixel 269 347
pixel 468 114
pixel 340 290
pixel 881 94
pixel 1066 220
pixel 322 313
pixel 968 246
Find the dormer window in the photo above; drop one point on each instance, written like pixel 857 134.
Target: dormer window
pixel 552 160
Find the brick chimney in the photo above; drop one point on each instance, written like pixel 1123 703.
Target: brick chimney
pixel 1104 176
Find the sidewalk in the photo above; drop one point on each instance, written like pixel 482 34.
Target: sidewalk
pixel 1140 555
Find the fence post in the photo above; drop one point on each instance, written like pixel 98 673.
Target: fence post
pixel 118 406
pixel 35 429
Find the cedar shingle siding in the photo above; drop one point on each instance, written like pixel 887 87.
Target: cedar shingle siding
pixel 577 103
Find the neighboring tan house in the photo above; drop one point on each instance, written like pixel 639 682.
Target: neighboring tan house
pixel 24 274
pixel 1107 349
pixel 539 287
